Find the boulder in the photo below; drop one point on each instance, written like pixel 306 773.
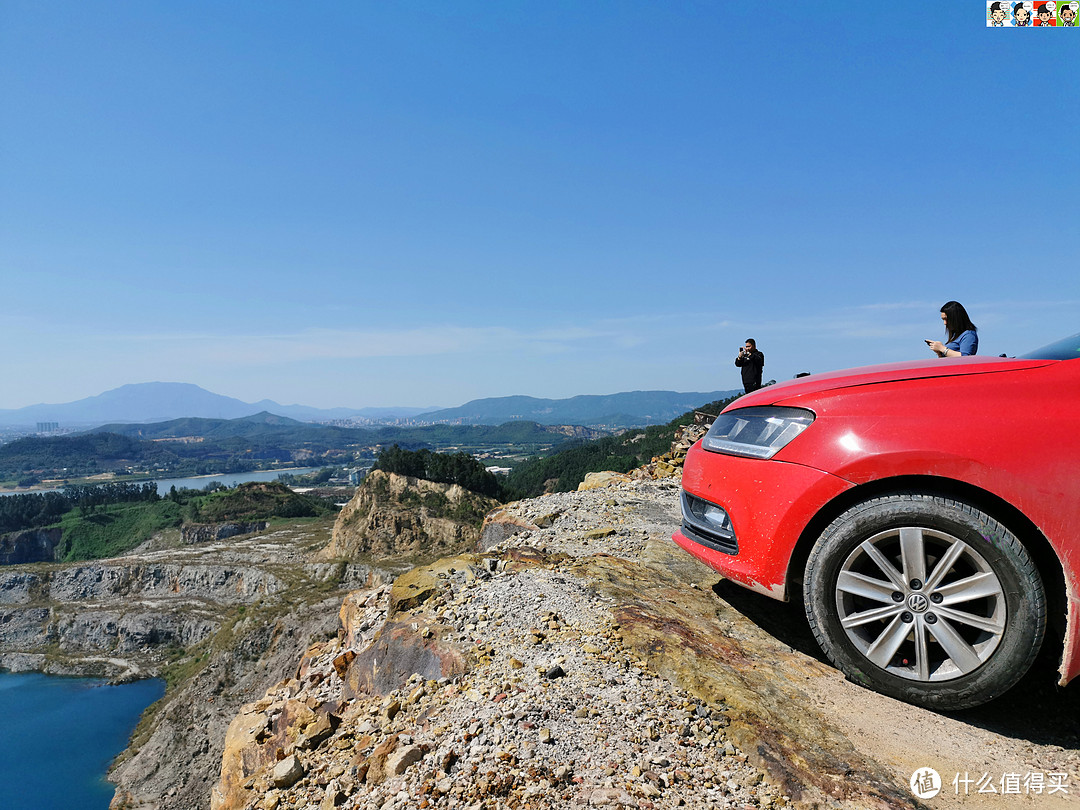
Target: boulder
pixel 500 525
pixel 287 773
pixel 596 480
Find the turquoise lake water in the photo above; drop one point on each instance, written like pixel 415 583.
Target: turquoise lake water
pixel 59 735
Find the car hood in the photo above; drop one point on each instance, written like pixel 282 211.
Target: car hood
pixel 888 372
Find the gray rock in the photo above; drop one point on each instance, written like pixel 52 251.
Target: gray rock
pixel 23 628
pixel 192 533
pixel 287 773
pixel 237 584
pixel 35 545
pixel 16 587
pixel 401 759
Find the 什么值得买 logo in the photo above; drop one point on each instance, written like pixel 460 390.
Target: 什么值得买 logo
pixel 925 783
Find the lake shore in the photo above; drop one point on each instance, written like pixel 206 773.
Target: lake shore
pixel 57 484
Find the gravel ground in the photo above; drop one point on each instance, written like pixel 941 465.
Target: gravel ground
pixel 556 713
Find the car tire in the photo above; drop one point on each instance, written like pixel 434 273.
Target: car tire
pixel 926 599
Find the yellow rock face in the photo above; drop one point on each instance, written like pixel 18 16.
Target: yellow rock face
pixel 602 479
pixel 394 515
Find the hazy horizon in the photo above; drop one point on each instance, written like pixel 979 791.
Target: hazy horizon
pixel 255 401
pixel 428 202
pixel 419 409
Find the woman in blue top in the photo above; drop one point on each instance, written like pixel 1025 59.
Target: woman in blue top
pixel 963 337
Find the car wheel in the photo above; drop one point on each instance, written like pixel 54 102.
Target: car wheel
pixel 926 599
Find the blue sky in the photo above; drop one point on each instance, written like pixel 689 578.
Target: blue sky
pixel 421 203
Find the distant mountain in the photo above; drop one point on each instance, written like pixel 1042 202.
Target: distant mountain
pixel 158 402
pixel 630 409
pixel 263 428
pixel 165 402
pixel 260 424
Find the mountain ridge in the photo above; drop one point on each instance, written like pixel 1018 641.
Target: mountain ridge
pixel 165 401
pixel 143 403
pixel 625 409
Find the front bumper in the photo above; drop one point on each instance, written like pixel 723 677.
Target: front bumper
pixel 768 503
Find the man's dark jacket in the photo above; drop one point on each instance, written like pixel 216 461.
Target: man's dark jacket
pixel 751 370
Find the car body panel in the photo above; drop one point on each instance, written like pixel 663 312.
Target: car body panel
pixel 888 372
pixel 1005 427
pixel 739 487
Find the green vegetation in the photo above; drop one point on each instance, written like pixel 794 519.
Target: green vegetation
pixel 110 519
pixel 255 501
pixel 564 470
pixel 185 447
pixel 444 468
pixel 519 436
pixel 113 529
pixel 317 478
pixel 182 666
pixel 78 455
pixel 33 510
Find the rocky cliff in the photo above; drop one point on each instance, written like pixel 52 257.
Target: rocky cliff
pixel 192 533
pixel 221 621
pixel 35 545
pixel 583 660
pixel 393 515
pixel 579 661
pixel 125 617
pixel 175 755
pixel 222 612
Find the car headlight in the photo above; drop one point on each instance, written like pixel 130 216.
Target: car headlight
pixel 756 432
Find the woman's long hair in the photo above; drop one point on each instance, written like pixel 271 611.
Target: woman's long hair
pixel 956 320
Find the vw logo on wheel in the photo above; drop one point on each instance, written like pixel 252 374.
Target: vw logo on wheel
pixel 918 602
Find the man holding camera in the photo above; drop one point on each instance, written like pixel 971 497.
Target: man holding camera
pixel 751 361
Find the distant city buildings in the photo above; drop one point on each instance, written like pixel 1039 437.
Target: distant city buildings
pixel 362 421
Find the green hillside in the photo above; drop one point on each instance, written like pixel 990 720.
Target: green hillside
pixel 563 470
pixel 197 446
pixel 255 501
pixel 627 409
pixel 108 520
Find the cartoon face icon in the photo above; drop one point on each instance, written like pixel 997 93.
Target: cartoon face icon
pixel 1044 15
pixel 997 13
pixel 1068 15
pixel 1021 14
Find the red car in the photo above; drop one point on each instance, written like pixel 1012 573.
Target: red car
pixel 928 513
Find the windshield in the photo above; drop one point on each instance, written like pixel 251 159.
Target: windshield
pixel 1064 349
